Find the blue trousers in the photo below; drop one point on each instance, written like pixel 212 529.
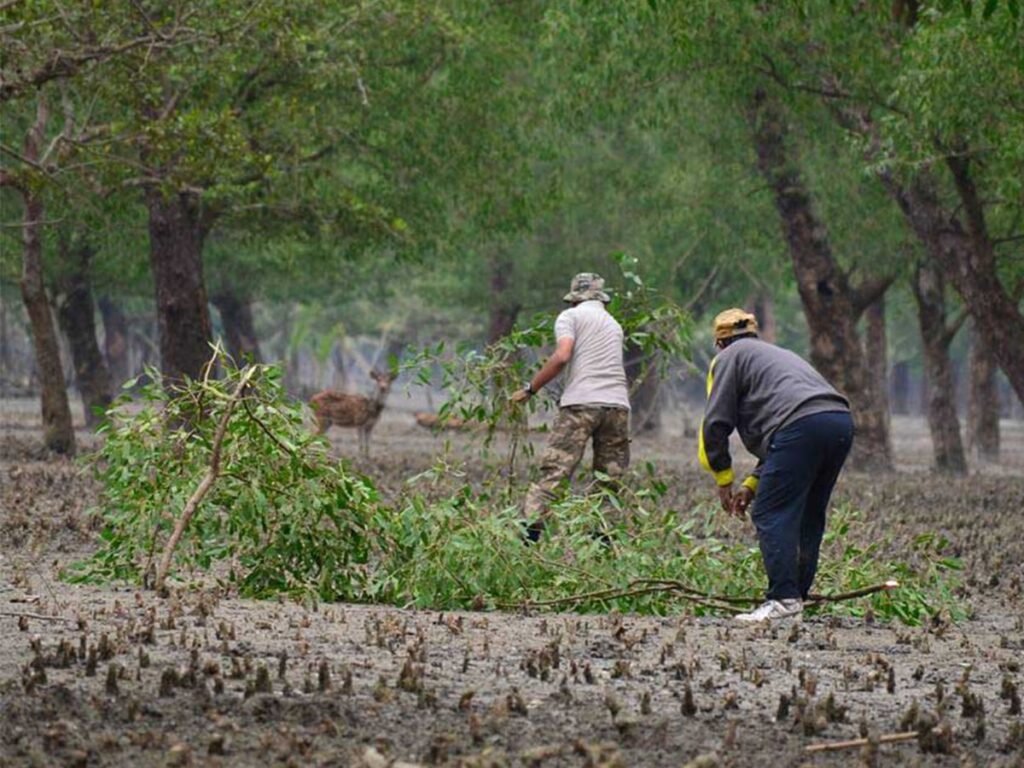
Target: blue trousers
pixel 799 472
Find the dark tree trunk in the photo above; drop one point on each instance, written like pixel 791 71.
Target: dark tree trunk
pixel 240 332
pixel 764 310
pixel 644 389
pixel 76 314
pixel 936 335
pixel 966 256
pixel 6 361
pixel 901 388
pixel 983 401
pixel 876 352
pixel 832 306
pixel 58 431
pixel 115 340
pixel 502 309
pixel 176 243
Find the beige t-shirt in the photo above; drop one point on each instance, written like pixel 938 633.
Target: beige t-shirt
pixel 595 374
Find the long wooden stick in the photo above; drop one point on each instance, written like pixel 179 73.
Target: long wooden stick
pixel 40 616
pixel 204 486
pixel 720 602
pixel 835 746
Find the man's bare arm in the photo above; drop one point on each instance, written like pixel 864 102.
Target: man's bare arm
pixel 550 369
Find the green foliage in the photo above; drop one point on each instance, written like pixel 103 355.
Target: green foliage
pixel 282 514
pixel 466 550
pixel 284 517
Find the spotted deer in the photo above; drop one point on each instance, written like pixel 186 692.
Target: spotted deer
pixel 344 410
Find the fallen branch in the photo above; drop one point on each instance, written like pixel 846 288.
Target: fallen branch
pixel 204 486
pixel 836 746
pixel 719 602
pixel 40 616
pixel 862 592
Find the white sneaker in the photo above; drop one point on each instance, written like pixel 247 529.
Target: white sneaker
pixel 774 609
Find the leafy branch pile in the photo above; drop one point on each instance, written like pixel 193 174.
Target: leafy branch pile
pixel 629 553
pixel 283 516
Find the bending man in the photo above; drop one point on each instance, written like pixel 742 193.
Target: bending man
pixel 799 427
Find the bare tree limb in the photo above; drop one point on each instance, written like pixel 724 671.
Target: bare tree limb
pixel 869 291
pixel 39 616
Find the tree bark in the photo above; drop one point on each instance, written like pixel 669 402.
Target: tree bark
pixel 966 256
pixel 76 314
pixel 6 361
pixel 901 388
pixel 831 304
pixel 983 401
pixel 876 353
pixel 239 330
pixel 936 335
pixel 644 389
pixel 115 340
pixel 176 243
pixel 764 310
pixel 502 309
pixel 58 431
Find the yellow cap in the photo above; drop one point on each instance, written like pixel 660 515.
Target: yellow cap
pixel 734 322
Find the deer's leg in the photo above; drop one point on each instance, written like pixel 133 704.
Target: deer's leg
pixel 364 442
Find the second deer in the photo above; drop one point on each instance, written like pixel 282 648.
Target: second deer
pixel 344 410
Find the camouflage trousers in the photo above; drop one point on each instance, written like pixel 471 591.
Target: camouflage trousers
pixel 574 426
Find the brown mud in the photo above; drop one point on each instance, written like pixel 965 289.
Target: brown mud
pixel 120 677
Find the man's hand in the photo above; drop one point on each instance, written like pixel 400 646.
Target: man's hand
pixel 725 496
pixel 519 396
pixel 741 501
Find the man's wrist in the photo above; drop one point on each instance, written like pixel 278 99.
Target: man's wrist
pixel 528 388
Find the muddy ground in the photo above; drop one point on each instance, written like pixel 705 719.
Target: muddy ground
pixel 106 677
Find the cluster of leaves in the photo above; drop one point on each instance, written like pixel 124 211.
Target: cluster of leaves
pixel 282 514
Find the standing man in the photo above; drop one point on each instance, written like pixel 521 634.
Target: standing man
pixel 595 399
pixel 799 428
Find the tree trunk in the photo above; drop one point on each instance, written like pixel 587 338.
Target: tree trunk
pixel 76 315
pixel 967 259
pixel 240 332
pixel 644 388
pixel 58 431
pixel 832 306
pixel 115 340
pixel 901 388
pixel 764 310
pixel 929 292
pixel 6 360
pixel 176 242
pixel 502 309
pixel 876 352
pixel 983 401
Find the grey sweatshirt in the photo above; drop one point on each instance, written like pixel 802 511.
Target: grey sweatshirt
pixel 757 388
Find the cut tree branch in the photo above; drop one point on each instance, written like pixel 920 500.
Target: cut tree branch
pixel 212 472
